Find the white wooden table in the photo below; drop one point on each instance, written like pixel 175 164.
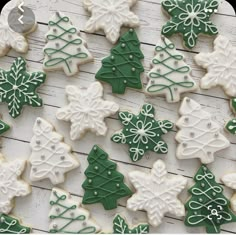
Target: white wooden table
pixel 33 209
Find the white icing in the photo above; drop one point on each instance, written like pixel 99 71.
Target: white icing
pixel 199 136
pixel 220 65
pixel 110 15
pixel 157 193
pixel 86 110
pixel 50 158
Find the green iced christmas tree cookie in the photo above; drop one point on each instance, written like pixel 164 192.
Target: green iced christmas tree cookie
pixel 3 127
pixel 208 206
pixel 104 184
pixel 123 67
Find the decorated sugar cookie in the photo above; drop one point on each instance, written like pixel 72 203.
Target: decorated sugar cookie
pixel 50 158
pixel 142 132
pixel 230 126
pixel 233 104
pixel 123 67
pixel 220 66
pixel 170 75
pixel 190 18
pixel 156 193
pixel 110 15
pixel 10 183
pixel 67 216
pixel 65 50
pixel 198 136
pixel 207 207
pixel 121 227
pixel 3 127
pixel 18 87
pixel 87 110
pixel 104 184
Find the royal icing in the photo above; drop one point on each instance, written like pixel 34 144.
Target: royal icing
pixel 3 127
pixel 142 132
pixel 10 184
pixel 110 15
pixel 50 158
pixel 123 67
pixel 87 110
pixel 190 18
pixel 157 193
pixel 170 75
pixel 64 50
pixel 207 206
pixel 233 104
pixel 121 227
pixel 198 136
pixel 104 184
pixel 220 65
pixel 230 126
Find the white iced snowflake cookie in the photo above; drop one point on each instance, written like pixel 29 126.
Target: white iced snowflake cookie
pixel 86 110
pixel 157 193
pixel 220 65
pixel 198 136
pixel 110 15
pixel 10 183
pixel 50 158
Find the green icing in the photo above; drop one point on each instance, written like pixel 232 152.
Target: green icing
pixel 10 225
pixel 231 126
pixel 121 227
pixel 233 104
pixel 190 18
pixel 18 87
pixel 3 127
pixel 104 184
pixel 123 68
pixel 142 132
pixel 208 206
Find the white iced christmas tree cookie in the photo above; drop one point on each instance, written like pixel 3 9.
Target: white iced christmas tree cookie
pixel 110 15
pixel 50 158
pixel 220 66
pixel 170 75
pixel 198 136
pixel 10 183
pixel 157 193
pixel 86 110
pixel 67 216
pixel 64 50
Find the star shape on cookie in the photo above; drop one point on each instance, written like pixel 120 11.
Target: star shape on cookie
pixel 157 193
pixel 17 87
pixel 87 110
pixel 10 184
pixel 190 18
pixel 110 15
pixel 220 65
pixel 142 132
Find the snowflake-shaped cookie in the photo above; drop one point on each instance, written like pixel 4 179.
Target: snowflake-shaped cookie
pixel 190 18
pixel 142 132
pixel 10 184
pixel 17 87
pixel 86 110
pixel 221 66
pixel 110 15
pixel 3 126
pixel 157 193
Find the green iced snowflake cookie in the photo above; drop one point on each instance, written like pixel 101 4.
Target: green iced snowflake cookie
pixel 18 87
pixel 231 126
pixel 233 104
pixel 3 127
pixel 190 18
pixel 142 132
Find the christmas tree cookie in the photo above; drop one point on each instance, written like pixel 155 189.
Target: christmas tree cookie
pixel 11 225
pixel 123 67
pixel 170 75
pixel 207 207
pixel 157 193
pixel 50 158
pixel 18 87
pixel 67 216
pixel 142 132
pixel 198 136
pixel 65 50
pixel 190 18
pixel 104 184
pixel 121 227
pixel 3 127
